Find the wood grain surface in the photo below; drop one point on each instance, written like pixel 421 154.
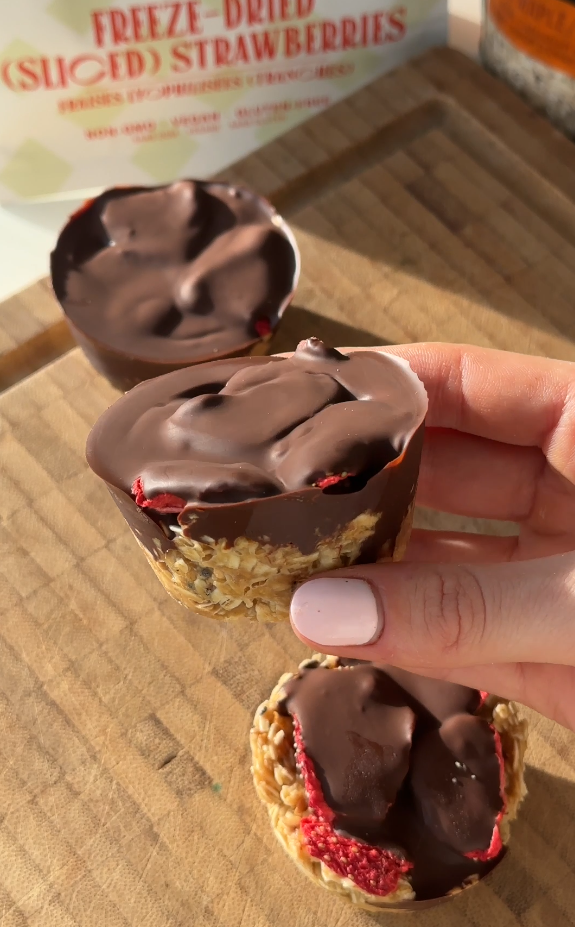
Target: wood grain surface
pixel 432 205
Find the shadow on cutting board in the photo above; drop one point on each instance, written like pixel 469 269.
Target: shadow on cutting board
pixel 534 886
pixel 430 224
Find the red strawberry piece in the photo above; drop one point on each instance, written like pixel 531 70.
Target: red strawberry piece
pixel 81 209
pixel 85 206
pixel 165 502
pixel 332 480
pixel 373 869
pixel 496 844
pixel 314 792
pixel 494 848
pixel 263 327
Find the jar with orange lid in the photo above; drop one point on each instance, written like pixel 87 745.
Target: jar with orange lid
pixel 531 45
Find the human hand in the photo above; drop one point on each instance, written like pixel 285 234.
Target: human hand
pixel 494 613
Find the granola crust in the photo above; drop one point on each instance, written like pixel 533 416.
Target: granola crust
pixel 254 580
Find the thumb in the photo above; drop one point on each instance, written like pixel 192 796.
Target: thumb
pixel 444 615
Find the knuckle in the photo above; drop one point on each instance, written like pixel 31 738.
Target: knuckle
pixel 453 610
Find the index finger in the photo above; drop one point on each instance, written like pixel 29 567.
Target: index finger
pixel 513 398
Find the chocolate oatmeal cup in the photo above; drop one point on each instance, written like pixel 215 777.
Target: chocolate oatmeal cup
pixel 242 478
pixel 394 791
pixel 152 279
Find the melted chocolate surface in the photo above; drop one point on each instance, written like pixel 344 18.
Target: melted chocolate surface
pixel 405 764
pixel 174 273
pixel 243 443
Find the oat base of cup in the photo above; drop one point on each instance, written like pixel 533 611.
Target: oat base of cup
pixel 256 581
pixel 253 580
pixel 281 789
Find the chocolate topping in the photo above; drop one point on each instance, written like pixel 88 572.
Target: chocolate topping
pixel 175 273
pixel 405 765
pixel 362 771
pixel 458 806
pixel 237 440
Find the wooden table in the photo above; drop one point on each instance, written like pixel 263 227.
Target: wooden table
pixel 433 205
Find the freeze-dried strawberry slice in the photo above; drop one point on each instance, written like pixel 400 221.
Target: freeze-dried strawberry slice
pixel 263 327
pixel 373 869
pixel 165 502
pixel 82 209
pixel 314 792
pixel 496 844
pixel 494 848
pixel 332 480
pixel 87 203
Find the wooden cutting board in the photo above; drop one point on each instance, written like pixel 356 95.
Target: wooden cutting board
pixel 434 204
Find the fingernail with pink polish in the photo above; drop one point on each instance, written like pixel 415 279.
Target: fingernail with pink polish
pixel 336 612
